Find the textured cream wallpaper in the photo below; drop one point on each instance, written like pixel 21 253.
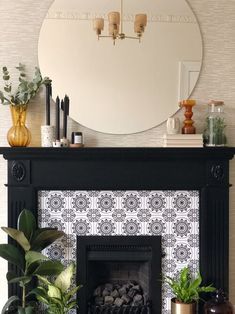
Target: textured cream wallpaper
pixel 20 22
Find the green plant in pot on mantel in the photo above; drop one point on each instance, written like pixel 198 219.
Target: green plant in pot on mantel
pixel 18 99
pixel 187 292
pixel 28 261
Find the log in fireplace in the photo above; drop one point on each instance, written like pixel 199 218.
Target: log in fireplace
pixel 120 274
pixel 205 170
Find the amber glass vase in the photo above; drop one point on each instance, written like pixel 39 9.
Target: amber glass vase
pixel 18 135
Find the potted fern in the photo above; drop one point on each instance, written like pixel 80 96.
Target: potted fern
pixel 187 292
pixel 25 254
pixel 18 99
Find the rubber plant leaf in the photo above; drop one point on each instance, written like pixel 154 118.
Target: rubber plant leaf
pixel 32 257
pixel 49 268
pixel 45 238
pixel 18 236
pixel 12 254
pixel 27 223
pixel 24 280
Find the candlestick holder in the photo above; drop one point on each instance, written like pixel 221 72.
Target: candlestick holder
pixel 47 135
pixel 188 127
pixel 64 142
pixel 57 144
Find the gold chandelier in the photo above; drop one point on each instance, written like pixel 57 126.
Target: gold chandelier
pixel 116 26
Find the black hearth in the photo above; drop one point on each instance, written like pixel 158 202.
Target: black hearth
pixel 119 274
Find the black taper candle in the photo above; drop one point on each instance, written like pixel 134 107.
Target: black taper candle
pixel 48 102
pixel 64 119
pixel 65 107
pixel 58 118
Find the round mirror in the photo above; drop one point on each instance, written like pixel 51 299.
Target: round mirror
pixel 133 85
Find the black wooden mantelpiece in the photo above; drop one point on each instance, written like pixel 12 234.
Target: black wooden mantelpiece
pixel 203 169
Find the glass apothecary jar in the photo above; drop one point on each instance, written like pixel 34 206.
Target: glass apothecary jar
pixel 215 131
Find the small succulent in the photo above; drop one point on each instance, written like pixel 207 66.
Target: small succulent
pixel 185 289
pixel 59 295
pixel 26 89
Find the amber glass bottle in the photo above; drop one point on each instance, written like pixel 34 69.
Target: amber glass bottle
pixel 218 304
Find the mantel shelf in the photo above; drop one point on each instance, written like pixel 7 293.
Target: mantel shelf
pixel 117 153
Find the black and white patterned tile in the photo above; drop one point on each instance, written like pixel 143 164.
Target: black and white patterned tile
pixel 172 214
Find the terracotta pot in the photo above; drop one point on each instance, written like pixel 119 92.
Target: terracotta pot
pixel 183 308
pixel 18 135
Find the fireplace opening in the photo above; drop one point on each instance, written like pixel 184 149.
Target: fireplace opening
pixel 120 284
pixel 119 274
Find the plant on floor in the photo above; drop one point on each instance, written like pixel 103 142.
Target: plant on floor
pixel 26 88
pixel 24 253
pixel 59 295
pixel 187 290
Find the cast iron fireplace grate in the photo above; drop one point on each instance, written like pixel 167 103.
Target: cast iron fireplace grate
pixel 120 262
pixel 125 309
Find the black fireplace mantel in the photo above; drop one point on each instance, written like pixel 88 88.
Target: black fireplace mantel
pixel 165 168
pixel 204 169
pixel 117 152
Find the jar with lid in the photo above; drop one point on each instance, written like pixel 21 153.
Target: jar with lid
pixel 214 134
pixel 219 304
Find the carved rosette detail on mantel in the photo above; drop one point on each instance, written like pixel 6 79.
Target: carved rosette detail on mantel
pixel 18 171
pixel 217 172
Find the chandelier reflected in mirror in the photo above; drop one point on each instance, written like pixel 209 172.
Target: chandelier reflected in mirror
pixel 116 31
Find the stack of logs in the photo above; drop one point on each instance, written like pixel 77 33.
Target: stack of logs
pixel 128 294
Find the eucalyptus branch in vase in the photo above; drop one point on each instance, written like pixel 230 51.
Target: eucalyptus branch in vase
pixel 18 99
pixel 26 89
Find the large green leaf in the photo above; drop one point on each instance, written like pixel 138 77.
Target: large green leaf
pixel 44 280
pixel 18 236
pixel 49 268
pixel 24 280
pixel 71 293
pixel 10 301
pixel 10 275
pixel 196 283
pixel 63 281
pixel 71 305
pixel 54 292
pixel 39 291
pixel 32 257
pixel 27 223
pixel 184 277
pixel 12 255
pixel 45 238
pixel 33 260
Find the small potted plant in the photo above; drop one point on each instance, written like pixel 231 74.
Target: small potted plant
pixel 25 254
pixel 58 296
pixel 18 99
pixel 187 292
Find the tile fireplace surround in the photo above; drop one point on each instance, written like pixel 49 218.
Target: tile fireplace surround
pixel 179 194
